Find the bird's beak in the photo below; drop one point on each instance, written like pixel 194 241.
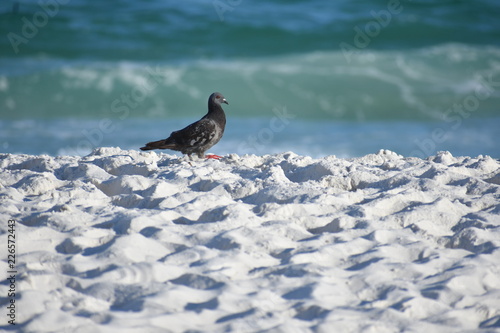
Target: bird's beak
pixel 224 101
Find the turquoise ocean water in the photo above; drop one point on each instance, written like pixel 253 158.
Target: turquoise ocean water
pixel 314 77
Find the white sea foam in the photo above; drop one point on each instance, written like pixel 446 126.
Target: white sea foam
pixel 399 84
pixel 130 241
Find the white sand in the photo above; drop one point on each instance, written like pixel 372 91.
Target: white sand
pixel 127 241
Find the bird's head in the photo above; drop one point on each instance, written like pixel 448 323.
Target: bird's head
pixel 218 98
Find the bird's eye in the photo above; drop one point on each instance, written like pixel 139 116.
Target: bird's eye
pixel 218 96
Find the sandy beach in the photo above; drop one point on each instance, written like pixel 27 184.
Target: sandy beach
pixel 129 241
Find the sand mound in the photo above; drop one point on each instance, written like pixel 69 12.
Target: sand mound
pixel 143 242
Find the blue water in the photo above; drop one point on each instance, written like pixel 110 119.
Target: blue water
pixel 414 76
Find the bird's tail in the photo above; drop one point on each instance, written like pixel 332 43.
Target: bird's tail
pixel 160 144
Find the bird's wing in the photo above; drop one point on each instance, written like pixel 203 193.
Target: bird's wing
pixel 196 134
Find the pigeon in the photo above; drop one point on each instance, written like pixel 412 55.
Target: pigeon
pixel 200 136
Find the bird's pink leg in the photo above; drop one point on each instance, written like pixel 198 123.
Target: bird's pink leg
pixel 215 157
